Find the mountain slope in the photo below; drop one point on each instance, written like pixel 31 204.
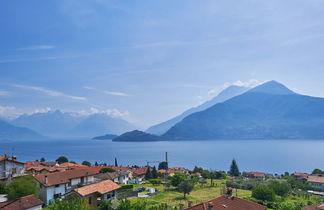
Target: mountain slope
pixel 97 124
pixel 52 123
pixel 269 111
pixel 221 97
pixel 10 132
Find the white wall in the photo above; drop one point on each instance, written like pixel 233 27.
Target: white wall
pixel 35 208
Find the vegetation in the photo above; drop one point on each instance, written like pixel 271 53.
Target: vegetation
pixel 177 178
pixel 105 170
pixel 2 187
pixel 263 193
pixel 74 204
pixel 148 174
pixel 21 186
pixel 163 165
pixel 62 159
pixel 185 187
pixel 154 173
pixel 116 164
pixel 42 159
pixel 317 171
pixel 86 163
pixel 234 170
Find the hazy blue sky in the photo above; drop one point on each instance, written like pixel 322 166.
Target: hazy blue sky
pixel 150 60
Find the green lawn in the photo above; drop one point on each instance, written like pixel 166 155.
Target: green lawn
pixel 198 195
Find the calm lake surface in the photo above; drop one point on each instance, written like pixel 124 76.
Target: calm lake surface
pixel 272 156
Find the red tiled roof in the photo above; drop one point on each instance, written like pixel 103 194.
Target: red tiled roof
pixel 255 174
pixel 29 164
pixel 120 168
pixel 72 165
pixel 22 203
pixel 314 178
pixel 100 187
pixel 315 207
pixel 49 169
pixel 229 203
pixel 139 171
pixel 63 177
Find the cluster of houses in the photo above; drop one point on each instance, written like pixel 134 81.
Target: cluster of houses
pixel 86 182
pixel 69 180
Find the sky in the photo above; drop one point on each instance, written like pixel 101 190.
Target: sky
pixel 147 61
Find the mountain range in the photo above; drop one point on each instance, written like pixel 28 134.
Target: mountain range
pixel 58 124
pixel 268 111
pixel 10 132
pixel 226 94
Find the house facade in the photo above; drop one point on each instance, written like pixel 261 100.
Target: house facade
pixel 316 181
pixel 119 177
pixel 255 175
pixel 10 167
pixel 56 185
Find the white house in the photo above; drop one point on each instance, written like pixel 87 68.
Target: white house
pixel 55 185
pixel 120 177
pixel 316 181
pixel 10 167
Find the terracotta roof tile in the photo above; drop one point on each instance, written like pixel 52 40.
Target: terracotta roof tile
pixel 228 203
pixel 315 207
pixel 63 177
pixel 22 203
pixel 100 187
pixel 317 179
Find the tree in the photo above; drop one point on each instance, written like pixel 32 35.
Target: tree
pixel 281 189
pixel 163 165
pixel 234 170
pixel 86 163
pixel 105 170
pixel 263 193
pixel 185 187
pixel 2 187
pixel 148 174
pixel 177 178
pixel 116 164
pixel 290 205
pixel 22 186
pixel 317 171
pixel 42 159
pixel 96 163
pixel 62 159
pixel 197 170
pixel 219 175
pixel 154 173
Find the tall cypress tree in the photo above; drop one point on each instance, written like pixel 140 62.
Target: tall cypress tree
pixel 116 164
pixel 154 173
pixel 234 170
pixel 148 174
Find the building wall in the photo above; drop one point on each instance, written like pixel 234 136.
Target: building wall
pixel 319 186
pixel 47 193
pixel 7 167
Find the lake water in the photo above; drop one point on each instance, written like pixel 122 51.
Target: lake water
pixel 272 156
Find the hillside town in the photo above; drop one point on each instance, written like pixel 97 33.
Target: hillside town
pixel 57 184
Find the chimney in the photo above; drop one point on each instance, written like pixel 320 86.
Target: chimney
pixel 14 158
pixel 189 204
pixel 229 192
pixel 210 206
pixel 181 205
pixel 46 180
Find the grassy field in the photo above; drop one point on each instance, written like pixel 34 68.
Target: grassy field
pixel 198 195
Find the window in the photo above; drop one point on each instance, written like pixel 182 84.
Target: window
pixel 57 185
pixel 56 196
pixel 89 200
pixel 108 196
pixel 82 180
pixel 14 170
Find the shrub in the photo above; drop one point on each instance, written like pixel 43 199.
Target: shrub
pixel 105 170
pixel 263 193
pixel 127 187
pixel 177 178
